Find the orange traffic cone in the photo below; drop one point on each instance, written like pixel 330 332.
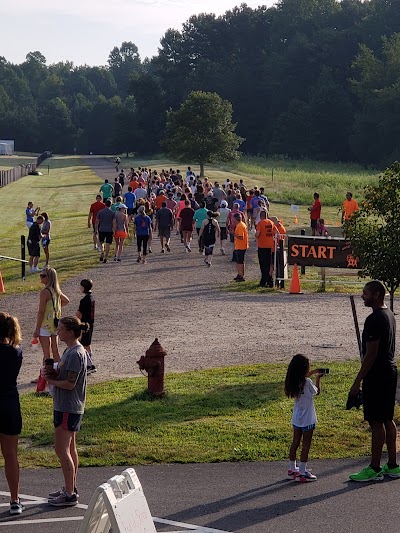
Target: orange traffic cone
pixel 2 289
pixel 296 220
pixel 295 283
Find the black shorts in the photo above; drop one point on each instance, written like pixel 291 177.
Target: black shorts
pixel 223 234
pixel 314 224
pixel 208 250
pixel 10 417
pixel 33 249
pixel 86 338
pixel 68 421
pixel 130 211
pixel 106 236
pixel 239 256
pixel 379 396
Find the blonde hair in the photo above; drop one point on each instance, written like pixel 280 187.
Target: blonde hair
pixel 52 280
pixel 10 329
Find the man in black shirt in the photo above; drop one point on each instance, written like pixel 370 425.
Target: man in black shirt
pixel 378 375
pixel 34 237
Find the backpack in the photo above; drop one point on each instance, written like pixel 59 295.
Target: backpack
pixel 208 235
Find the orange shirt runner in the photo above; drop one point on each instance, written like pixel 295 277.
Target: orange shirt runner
pixel 241 231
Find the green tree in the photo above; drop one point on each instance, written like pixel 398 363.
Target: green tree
pixel 202 131
pixel 374 231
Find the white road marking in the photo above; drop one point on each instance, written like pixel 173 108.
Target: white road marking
pixel 38 500
pixel 201 529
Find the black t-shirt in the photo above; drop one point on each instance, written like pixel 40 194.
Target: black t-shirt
pixel 211 203
pixel 381 325
pixel 34 233
pixel 11 360
pixel 86 308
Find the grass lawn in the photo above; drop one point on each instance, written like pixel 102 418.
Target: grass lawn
pixel 66 194
pixel 10 161
pixel 226 414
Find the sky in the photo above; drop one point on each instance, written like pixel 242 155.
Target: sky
pixel 85 31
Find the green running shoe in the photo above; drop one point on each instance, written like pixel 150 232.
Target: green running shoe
pixel 391 472
pixel 367 474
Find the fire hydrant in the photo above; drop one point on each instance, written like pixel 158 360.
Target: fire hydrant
pixel 153 364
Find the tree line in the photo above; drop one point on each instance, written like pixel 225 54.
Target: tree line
pixel 316 79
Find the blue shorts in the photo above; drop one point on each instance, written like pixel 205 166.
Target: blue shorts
pixel 68 421
pixel 305 428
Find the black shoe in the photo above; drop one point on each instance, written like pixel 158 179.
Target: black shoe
pixel 101 258
pixel 237 277
pixel 91 369
pixel 104 260
pixel 241 279
pixel 168 248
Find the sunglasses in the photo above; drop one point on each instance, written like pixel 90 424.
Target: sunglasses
pixel 43 275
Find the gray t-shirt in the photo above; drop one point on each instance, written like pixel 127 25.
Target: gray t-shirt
pixel 105 218
pixel 72 401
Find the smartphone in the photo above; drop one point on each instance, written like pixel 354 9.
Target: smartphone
pixel 323 371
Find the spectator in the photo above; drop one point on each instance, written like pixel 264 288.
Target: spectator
pixel 10 412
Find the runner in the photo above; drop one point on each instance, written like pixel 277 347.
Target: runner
pixel 130 200
pixel 97 206
pixel 164 224
pixel 104 227
pixel 143 233
pixel 121 230
pixel 209 232
pixel 106 190
pixel 222 220
pixel 199 216
pixel 241 243
pixel 186 225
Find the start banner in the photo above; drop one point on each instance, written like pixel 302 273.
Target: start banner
pixel 321 252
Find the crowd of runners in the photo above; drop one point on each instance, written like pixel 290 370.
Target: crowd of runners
pixel 151 205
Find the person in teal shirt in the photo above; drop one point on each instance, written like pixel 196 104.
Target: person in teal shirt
pixel 106 190
pixel 200 215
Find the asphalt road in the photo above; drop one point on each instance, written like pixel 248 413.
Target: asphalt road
pixel 228 497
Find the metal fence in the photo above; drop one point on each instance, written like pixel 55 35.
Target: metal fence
pixel 14 174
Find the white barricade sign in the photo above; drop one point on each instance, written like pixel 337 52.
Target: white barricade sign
pixel 119 504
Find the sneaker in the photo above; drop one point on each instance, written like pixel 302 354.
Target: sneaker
pixel 391 472
pixel 104 260
pixel 57 493
pixel 186 250
pixel 63 500
pixel 138 260
pixel 189 249
pixel 237 277
pixel 115 257
pixel 101 258
pixel 291 474
pixel 150 251
pixel 162 251
pixel 119 259
pixel 91 369
pixel 168 248
pixel 367 474
pixel 305 478
pixel 240 279
pixel 222 251
pixel 16 507
pixel 144 261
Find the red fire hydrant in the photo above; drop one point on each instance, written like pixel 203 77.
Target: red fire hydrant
pixel 153 364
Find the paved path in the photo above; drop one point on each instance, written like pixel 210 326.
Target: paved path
pixel 229 497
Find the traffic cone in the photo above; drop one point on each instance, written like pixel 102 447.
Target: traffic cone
pixel 295 283
pixel 2 289
pixel 296 220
